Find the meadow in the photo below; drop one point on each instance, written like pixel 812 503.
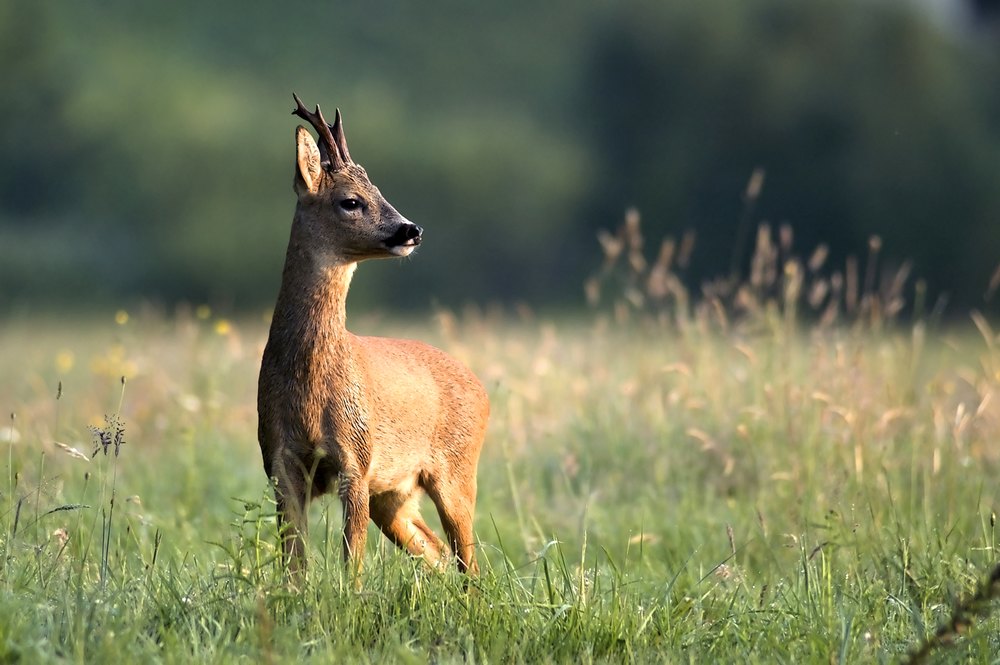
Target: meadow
pixel 743 483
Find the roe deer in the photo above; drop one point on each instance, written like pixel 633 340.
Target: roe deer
pixel 387 418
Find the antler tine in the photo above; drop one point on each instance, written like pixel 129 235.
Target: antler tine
pixel 338 135
pixel 320 125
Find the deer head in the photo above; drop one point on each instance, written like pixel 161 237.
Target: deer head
pixel 341 214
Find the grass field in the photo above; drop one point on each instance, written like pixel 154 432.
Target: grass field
pixel 768 493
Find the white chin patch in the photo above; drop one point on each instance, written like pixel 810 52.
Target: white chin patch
pixel 402 250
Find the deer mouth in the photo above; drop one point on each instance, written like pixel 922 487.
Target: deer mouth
pixel 404 249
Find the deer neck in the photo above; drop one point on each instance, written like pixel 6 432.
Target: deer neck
pixel 311 312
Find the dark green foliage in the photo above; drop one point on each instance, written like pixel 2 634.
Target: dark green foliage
pixel 147 148
pixel 868 119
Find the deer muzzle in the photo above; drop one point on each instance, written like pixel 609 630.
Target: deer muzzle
pixel 405 239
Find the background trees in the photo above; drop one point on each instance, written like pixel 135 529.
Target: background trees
pixel 147 150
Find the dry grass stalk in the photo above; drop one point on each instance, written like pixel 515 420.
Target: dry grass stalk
pixel 778 283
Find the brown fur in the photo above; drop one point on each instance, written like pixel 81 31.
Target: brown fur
pixel 380 419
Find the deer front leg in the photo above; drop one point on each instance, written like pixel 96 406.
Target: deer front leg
pixel 354 497
pixel 290 491
pixel 291 527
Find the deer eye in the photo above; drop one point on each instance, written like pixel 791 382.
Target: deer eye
pixel 350 204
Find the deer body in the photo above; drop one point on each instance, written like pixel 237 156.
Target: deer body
pixel 381 420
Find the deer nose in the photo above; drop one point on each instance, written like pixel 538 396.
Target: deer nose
pixel 407 234
pixel 412 232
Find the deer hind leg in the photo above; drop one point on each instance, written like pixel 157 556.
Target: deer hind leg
pixel 398 516
pixel 456 505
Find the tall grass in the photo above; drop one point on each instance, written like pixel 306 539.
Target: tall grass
pixel 727 477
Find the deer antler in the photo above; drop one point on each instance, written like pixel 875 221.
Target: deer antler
pixel 334 150
pixel 338 136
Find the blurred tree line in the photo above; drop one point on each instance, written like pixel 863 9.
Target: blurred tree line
pixel 147 147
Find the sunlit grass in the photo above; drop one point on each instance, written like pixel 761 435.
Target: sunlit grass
pixel 646 493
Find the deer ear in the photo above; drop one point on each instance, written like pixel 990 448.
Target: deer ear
pixel 307 158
